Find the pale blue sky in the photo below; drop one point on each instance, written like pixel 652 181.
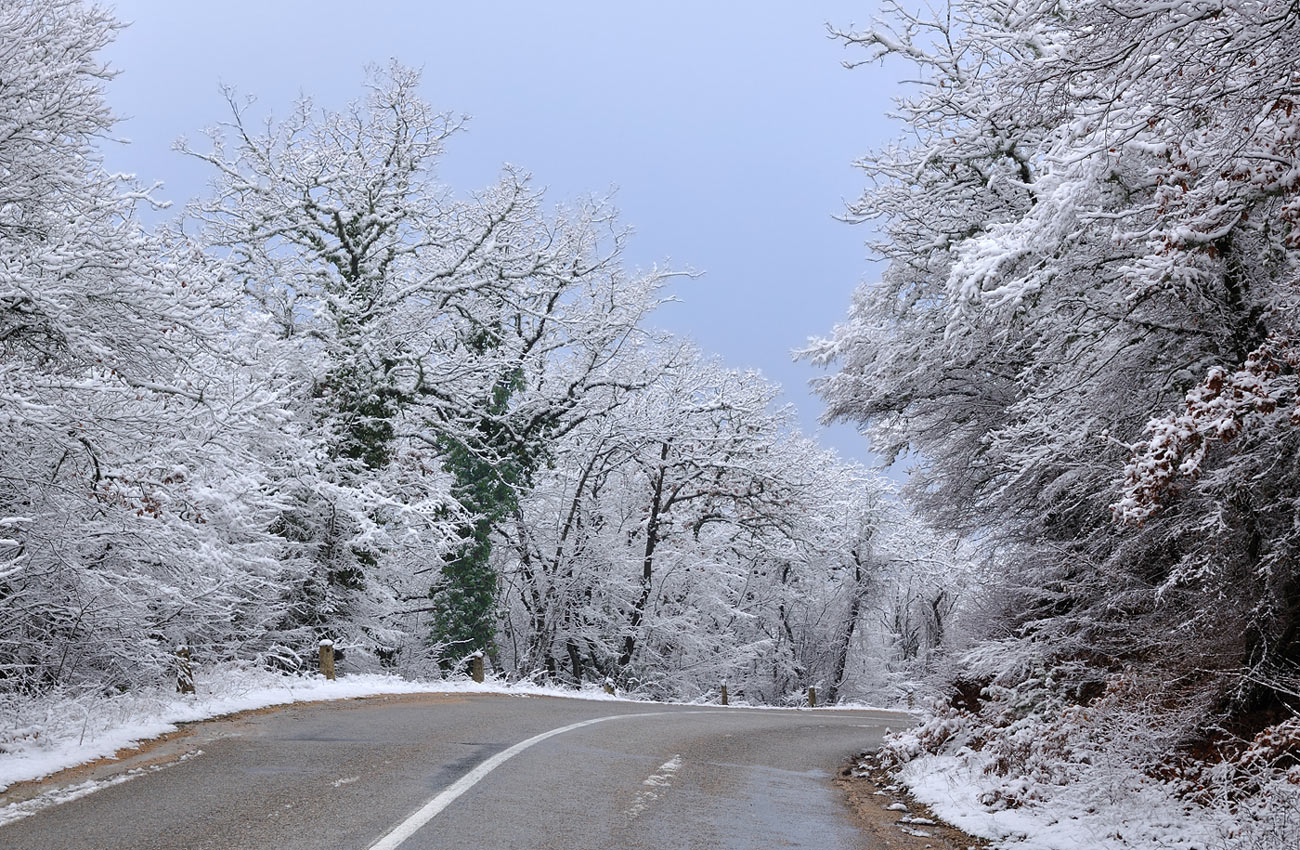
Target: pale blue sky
pixel 728 128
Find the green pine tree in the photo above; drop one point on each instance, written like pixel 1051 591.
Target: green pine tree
pixel 490 465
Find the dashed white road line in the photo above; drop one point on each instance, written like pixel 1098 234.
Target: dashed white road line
pixel 662 779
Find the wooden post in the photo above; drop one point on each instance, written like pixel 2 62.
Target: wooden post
pixel 812 697
pixel 184 673
pixel 476 667
pixel 327 659
pixel 724 693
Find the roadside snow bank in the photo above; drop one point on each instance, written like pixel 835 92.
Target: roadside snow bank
pixel 1050 777
pixel 1082 816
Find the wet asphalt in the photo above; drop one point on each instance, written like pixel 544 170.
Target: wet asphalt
pixel 343 775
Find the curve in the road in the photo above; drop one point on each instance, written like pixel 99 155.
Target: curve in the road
pixel 420 773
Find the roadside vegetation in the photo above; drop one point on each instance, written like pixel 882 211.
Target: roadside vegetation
pixel 1086 338
pixel 332 399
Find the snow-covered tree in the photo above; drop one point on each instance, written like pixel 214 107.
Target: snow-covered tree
pixel 130 504
pixel 335 399
pixel 321 222
pixel 1089 225
pixel 690 538
pixel 440 343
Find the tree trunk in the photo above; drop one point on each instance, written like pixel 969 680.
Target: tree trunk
pixel 647 562
pixel 846 637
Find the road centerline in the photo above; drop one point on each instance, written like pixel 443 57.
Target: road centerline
pixel 404 830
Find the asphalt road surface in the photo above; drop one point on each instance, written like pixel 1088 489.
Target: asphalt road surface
pixel 481 772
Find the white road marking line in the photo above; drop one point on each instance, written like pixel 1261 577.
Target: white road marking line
pixel 662 779
pixel 666 771
pixel 430 810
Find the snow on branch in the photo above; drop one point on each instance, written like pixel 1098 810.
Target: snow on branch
pixel 1216 411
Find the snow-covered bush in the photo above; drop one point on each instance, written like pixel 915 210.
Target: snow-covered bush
pixel 1031 761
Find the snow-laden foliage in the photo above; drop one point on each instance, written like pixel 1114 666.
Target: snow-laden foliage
pixel 1089 228
pixel 336 400
pixel 1086 336
pixel 689 537
pixel 129 501
pixel 436 345
pixel 1032 768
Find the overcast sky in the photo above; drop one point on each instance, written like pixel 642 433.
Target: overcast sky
pixel 728 128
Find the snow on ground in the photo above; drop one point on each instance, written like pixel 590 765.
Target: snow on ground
pixel 1120 812
pixel 1093 797
pixel 1031 771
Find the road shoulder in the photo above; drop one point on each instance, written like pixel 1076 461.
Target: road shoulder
pixel 894 820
